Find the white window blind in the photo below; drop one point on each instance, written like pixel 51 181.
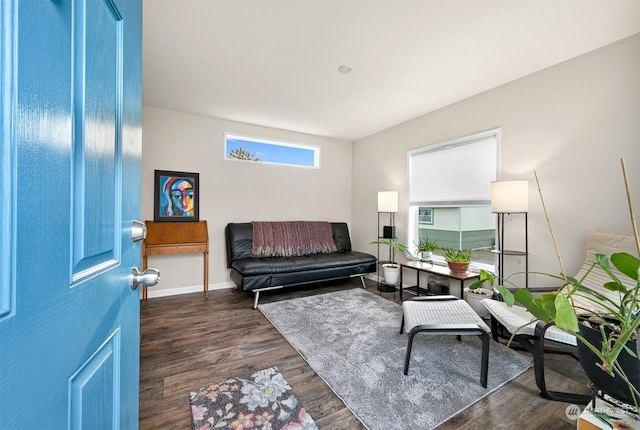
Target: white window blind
pixel 458 172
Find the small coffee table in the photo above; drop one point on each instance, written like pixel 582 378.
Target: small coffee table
pixel 430 267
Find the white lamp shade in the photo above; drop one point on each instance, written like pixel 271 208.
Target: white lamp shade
pixel 510 196
pixel 387 201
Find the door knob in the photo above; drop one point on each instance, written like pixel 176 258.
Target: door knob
pixel 138 231
pixel 148 278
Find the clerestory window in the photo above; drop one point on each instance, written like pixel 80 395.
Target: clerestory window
pixel 259 150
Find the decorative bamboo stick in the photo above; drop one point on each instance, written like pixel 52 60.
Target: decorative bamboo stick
pixel 633 218
pixel 553 237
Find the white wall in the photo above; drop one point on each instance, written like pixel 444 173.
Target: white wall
pixel 571 123
pixel 234 191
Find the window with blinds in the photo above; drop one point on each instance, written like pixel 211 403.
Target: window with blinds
pixel 451 182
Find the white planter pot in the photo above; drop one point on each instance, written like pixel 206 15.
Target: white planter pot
pixel 474 299
pixel 391 273
pixel 426 255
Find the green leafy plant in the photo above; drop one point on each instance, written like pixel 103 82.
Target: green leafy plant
pixel 617 320
pixel 426 245
pixel 457 255
pixel 393 245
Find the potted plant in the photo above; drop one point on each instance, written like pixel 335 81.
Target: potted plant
pixel 474 294
pixel 607 346
pixel 458 260
pixel 425 248
pixel 391 269
pixel 607 340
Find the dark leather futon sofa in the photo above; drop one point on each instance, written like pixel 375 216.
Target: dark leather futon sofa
pixel 251 273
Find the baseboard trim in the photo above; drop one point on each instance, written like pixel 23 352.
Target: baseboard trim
pixel 151 293
pixel 372 276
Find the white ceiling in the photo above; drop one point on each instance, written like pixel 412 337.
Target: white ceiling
pixel 275 63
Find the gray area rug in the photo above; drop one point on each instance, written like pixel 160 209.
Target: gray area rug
pixel 351 340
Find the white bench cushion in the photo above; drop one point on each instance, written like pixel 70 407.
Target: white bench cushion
pixel 434 312
pixel 599 242
pixel 518 320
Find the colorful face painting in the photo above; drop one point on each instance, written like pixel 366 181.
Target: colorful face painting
pixel 178 195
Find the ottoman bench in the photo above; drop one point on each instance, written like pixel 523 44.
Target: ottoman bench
pixel 444 315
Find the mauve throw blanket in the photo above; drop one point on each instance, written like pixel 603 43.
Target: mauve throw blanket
pixel 291 238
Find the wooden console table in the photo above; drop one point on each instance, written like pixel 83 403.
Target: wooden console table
pixel 428 267
pixel 165 238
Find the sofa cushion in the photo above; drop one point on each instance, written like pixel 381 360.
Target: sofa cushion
pixel 239 239
pixel 266 265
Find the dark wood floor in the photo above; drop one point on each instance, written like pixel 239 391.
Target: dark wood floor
pixel 188 342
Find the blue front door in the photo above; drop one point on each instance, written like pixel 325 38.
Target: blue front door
pixel 70 181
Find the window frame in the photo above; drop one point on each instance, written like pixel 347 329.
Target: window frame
pixel 413 207
pixel 429 215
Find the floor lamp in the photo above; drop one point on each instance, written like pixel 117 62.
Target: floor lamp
pixel 510 197
pixel 387 203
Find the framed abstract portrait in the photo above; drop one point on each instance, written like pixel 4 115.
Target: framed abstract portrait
pixel 176 196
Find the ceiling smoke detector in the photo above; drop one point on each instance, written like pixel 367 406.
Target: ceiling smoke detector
pixel 345 69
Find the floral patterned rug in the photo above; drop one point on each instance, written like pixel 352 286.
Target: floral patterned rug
pixel 262 402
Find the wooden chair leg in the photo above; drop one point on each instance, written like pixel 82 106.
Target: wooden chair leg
pixel 484 365
pixel 494 329
pixel 538 370
pixel 407 356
